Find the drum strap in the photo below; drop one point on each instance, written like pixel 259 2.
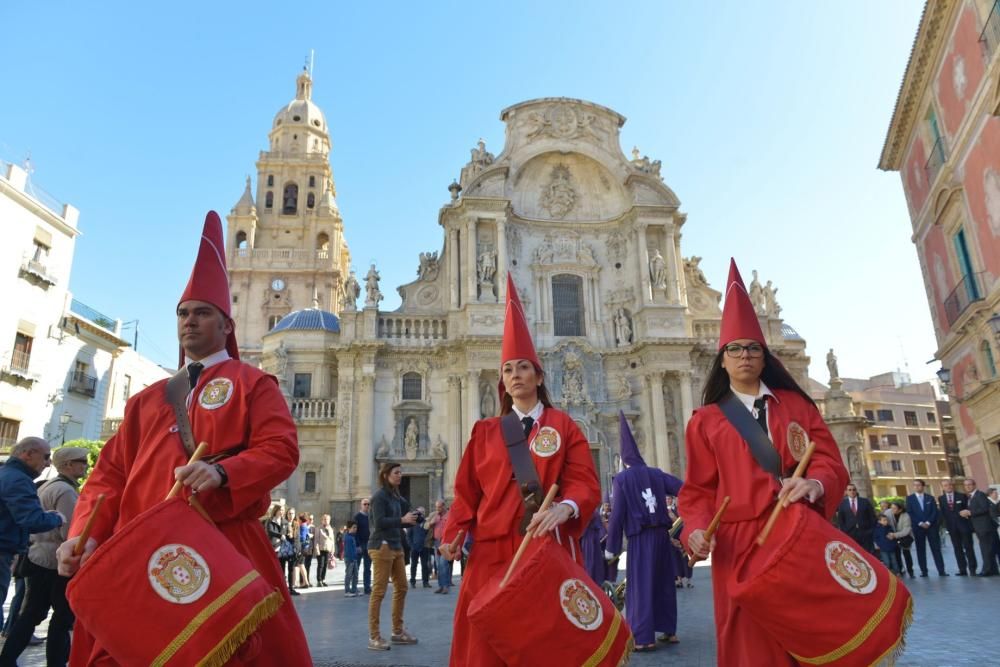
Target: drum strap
pixel 751 431
pixel 528 483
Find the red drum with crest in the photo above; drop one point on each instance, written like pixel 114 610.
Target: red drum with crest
pixel 821 596
pixel 170 589
pixel 550 612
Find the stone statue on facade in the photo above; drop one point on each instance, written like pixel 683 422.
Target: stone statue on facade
pixel 486 267
pixel 644 164
pixel 558 196
pixel 624 390
pixel 658 270
pixel 831 365
pixel 281 363
pixel 757 295
pixel 771 307
pixel 372 293
pixel 410 439
pixel 352 290
pixel 429 266
pixel 488 404
pixel 623 328
pixel 695 275
pixel 439 450
pixel 572 386
pixel 481 158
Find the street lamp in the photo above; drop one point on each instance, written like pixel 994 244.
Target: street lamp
pixel 63 423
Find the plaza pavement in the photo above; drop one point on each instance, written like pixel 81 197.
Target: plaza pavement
pixel 951 625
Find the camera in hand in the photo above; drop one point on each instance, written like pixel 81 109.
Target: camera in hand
pixel 419 516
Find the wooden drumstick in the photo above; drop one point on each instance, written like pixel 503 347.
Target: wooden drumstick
pixel 549 497
pixel 712 527
pixel 198 453
pixel 85 535
pixel 800 470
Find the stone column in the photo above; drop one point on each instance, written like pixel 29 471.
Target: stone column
pixel 687 407
pixel 646 417
pixel 365 444
pixel 645 286
pixel 681 276
pixel 670 255
pixel 455 436
pixel 453 268
pixel 659 422
pixel 472 399
pixel 470 263
pixel 501 274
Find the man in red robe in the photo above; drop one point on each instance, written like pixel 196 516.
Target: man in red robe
pixel 720 463
pixel 252 447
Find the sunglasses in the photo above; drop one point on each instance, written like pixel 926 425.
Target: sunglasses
pixel 83 461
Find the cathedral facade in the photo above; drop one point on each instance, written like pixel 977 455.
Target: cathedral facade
pixel 620 318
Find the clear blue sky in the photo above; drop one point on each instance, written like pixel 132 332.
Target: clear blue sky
pixel 769 119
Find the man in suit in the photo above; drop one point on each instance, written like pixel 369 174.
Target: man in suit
pixel 924 515
pixel 856 517
pixel 959 527
pixel 982 523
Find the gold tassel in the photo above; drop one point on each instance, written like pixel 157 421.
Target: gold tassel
pixel 231 643
pixel 627 655
pixel 889 658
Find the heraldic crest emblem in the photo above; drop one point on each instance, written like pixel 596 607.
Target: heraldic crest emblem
pixel 178 573
pixel 849 568
pixel 547 442
pixel 580 606
pixel 216 393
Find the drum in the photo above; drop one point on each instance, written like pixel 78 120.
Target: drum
pixel 820 595
pixel 170 589
pixel 550 609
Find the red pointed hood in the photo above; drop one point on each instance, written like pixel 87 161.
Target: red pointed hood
pixel 739 319
pixel 517 343
pixel 209 281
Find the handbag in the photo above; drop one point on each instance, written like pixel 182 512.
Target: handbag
pixel 286 549
pixel 905 542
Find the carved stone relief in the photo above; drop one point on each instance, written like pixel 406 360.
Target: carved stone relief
pixel 558 195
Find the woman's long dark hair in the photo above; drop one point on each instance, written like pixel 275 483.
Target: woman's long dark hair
pixel 774 375
pixel 383 476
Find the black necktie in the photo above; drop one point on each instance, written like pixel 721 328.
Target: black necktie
pixel 528 423
pixel 761 405
pixel 194 370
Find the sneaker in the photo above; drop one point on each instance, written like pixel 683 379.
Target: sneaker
pixel 403 637
pixel 378 644
pixel 292 591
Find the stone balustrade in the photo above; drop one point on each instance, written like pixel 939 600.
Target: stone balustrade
pixel 313 409
pixel 281 258
pixel 707 329
pixel 412 329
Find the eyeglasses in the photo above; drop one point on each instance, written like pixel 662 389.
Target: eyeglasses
pixel 735 350
pixel 83 461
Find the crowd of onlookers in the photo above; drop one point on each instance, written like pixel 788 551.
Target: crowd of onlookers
pixel 970 518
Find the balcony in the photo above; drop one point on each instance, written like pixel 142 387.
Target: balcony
pixel 313 409
pixel 936 160
pixel 110 426
pixel 281 258
pixel 968 291
pixel 990 37
pixel 38 272
pixel 84 384
pixel 412 329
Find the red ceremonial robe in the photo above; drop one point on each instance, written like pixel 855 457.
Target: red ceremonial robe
pixel 720 464
pixel 234 407
pixel 488 504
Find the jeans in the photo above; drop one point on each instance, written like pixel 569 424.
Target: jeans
pixel 5 561
pixel 421 556
pixel 888 559
pixel 443 567
pixel 322 561
pixel 351 576
pixel 368 571
pixel 387 563
pixel 45 589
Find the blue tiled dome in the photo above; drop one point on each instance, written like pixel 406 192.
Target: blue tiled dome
pixel 787 332
pixel 311 319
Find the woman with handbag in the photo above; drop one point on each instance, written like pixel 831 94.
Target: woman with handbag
pixel 288 551
pixel 272 526
pixel 324 547
pixel 487 503
pixel 903 534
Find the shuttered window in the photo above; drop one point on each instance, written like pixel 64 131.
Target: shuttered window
pixel 567 305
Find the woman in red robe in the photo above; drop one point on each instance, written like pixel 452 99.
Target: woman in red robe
pixel 487 502
pixel 720 463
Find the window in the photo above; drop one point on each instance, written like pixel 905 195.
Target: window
pixel 312 181
pixel 272 321
pixel 126 387
pixel 8 434
pixel 269 200
pixel 986 354
pixel 302 385
pixel 567 305
pixel 942 466
pixel 290 200
pixel 931 418
pixel 896 465
pixel 891 440
pixel 920 467
pixel 21 355
pixel 885 416
pixel 310 200
pixel 916 442
pixel 41 252
pixel 878 468
pixel 241 242
pixel 901 490
pixel 873 442
pixel 270 180
pixel 910 418
pixel 310 485
pixel 82 382
pixel 870 415
pixel 412 386
pixel 322 241
pixel 935 442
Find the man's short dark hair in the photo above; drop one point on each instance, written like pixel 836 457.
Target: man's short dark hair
pixel 350 524
pixel 922 482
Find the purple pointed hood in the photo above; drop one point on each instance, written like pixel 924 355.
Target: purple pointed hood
pixel 626 443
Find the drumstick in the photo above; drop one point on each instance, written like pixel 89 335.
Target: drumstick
pixel 712 527
pixel 549 497
pixel 194 457
pixel 85 535
pixel 800 470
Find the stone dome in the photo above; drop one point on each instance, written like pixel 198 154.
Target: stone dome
pixel 311 319
pixel 301 111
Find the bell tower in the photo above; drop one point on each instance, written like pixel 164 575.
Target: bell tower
pixel 285 242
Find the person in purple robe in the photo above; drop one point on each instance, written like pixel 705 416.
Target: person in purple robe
pixel 592 545
pixel 639 511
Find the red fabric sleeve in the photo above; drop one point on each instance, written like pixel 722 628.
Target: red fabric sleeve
pixel 468 492
pixel 826 465
pixel 578 481
pixel 270 457
pixel 696 501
